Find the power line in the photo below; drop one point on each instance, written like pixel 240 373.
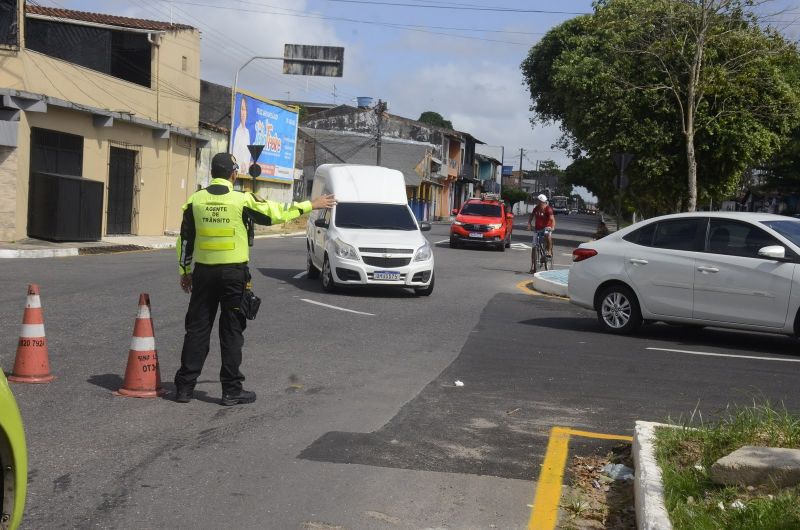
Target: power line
pixel 463 8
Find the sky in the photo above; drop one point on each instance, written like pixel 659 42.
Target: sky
pixel 458 58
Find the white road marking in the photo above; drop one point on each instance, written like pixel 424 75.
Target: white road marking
pixel 777 359
pixel 337 308
pixel 520 246
pixel 442 241
pixel 300 275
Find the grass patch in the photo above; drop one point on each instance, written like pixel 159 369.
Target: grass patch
pixel 686 454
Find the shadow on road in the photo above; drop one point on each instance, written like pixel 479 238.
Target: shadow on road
pixel 683 335
pixel 113 382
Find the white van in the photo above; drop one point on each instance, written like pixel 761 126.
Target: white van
pixel 371 235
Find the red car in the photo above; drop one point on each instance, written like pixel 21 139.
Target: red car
pixel 482 221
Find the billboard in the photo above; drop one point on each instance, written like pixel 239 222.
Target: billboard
pixel 508 171
pixel 259 121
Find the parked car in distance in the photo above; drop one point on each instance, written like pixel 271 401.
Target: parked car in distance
pixel 720 269
pixel 13 460
pixel 482 221
pixel 370 236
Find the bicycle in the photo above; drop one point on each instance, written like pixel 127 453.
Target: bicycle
pixel 542 258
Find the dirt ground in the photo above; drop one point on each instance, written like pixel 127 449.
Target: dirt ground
pixel 593 500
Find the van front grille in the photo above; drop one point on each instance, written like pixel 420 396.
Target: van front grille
pixel 376 261
pixel 370 250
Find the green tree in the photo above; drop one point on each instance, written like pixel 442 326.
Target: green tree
pixel 691 87
pixel 436 119
pixel 513 195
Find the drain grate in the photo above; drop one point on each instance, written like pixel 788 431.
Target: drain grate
pixel 110 249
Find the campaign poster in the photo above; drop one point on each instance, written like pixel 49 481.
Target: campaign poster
pixel 259 121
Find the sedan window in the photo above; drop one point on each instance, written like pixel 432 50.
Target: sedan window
pixel 790 229
pixel 735 238
pixel 642 236
pixel 678 234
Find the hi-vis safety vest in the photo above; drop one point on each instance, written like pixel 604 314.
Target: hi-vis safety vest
pixel 213 230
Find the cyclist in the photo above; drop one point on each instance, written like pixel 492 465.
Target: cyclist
pixel 543 227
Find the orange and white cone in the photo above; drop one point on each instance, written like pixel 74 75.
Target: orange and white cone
pixel 32 364
pixel 142 375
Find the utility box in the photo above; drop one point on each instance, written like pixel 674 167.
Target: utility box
pixel 65 208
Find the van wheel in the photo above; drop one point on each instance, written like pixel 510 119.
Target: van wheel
pixel 453 243
pixel 618 310
pixel 312 273
pixel 508 241
pixel 426 291
pixel 328 283
pixel 502 247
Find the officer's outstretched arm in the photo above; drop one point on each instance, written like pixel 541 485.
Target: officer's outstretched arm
pixel 269 212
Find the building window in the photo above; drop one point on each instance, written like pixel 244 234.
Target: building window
pixel 118 53
pixel 9 34
pixel 184 63
pixel 56 152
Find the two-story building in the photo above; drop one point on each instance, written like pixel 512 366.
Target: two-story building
pixel 98 124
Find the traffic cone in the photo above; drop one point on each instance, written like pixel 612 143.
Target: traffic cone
pixel 142 375
pixel 31 364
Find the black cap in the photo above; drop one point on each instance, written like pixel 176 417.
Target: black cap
pixel 222 165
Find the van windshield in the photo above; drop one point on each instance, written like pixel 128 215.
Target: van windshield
pixel 374 216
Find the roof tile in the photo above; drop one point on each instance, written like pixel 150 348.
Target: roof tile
pixel 100 18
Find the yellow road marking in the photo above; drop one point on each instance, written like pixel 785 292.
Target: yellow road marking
pixel 548 490
pixel 523 286
pixel 544 515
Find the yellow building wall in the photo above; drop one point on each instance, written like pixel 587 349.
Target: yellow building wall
pixel 165 179
pixel 172 98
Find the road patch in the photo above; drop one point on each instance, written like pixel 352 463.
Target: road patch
pixel 544 514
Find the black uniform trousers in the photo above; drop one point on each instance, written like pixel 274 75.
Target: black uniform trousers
pixel 214 286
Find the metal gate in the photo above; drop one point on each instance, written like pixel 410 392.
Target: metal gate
pixel 121 173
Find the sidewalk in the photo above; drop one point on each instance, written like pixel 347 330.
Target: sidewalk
pixel 38 248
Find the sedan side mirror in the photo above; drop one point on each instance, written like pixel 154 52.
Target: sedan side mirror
pixel 425 227
pixel 320 223
pixel 455 211
pixel 772 252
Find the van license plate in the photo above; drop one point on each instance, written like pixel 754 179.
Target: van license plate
pixel 386 275
pixel 475 234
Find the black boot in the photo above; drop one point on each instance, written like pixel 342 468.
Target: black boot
pixel 183 394
pixel 238 397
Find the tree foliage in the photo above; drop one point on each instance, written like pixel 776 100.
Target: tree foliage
pixel 513 195
pixel 435 119
pixel 696 89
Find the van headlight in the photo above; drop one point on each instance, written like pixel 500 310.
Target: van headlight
pixel 345 251
pixel 458 223
pixel 495 226
pixel 423 252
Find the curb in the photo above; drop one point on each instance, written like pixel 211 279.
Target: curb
pixel 38 253
pixel 547 286
pixel 648 488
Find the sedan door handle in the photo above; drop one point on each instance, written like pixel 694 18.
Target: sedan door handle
pixel 637 261
pixel 703 268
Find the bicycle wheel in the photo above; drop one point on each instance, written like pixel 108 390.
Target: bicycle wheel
pixel 543 257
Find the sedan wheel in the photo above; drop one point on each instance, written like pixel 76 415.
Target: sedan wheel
pixel 618 311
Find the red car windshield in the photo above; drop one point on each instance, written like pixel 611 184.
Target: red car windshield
pixel 484 210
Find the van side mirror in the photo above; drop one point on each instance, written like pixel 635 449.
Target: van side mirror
pixel 509 215
pixel 424 227
pixel 455 211
pixel 320 223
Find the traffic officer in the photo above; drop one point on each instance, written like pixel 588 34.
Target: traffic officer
pixel 214 237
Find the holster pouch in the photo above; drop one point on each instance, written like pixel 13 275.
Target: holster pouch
pixel 250 304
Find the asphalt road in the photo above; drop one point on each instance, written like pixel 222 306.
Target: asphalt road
pixel 358 423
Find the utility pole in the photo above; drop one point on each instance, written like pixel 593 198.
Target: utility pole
pixel 521 152
pixel 380 108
